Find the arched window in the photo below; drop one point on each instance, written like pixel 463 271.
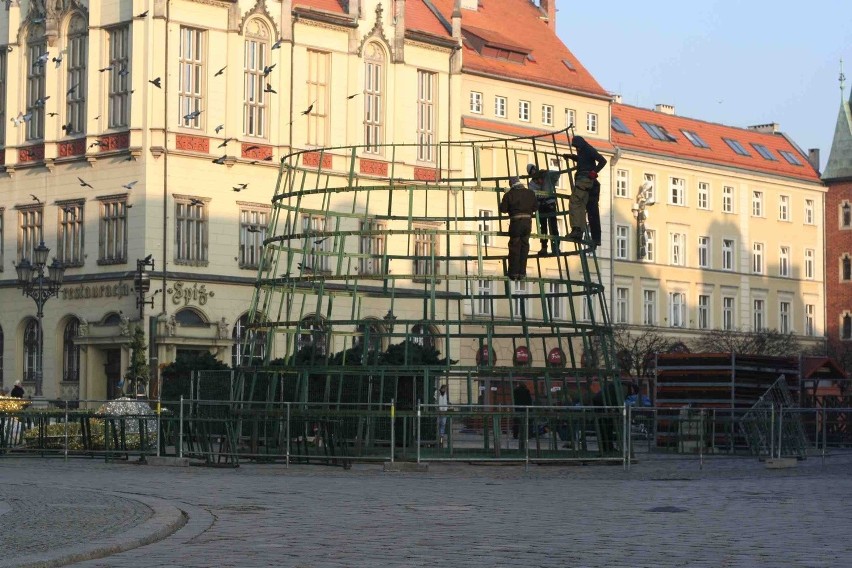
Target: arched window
pixel 71 352
pixel 190 318
pixel 372 332
pixel 37 61
pixel 255 98
pixel 846 215
pixel 374 75
pixel 313 333
pixel 76 87
pixel 30 349
pixel 249 345
pixel 846 268
pixel 846 329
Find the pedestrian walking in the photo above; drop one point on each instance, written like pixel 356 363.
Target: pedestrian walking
pixel 442 398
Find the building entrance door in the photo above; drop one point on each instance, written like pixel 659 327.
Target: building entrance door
pixel 112 370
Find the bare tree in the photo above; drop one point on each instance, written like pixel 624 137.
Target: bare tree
pixel 636 349
pixel 764 342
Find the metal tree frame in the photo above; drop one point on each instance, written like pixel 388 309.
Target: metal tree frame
pixel 381 278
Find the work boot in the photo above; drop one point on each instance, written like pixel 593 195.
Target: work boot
pixel 543 251
pixel 576 235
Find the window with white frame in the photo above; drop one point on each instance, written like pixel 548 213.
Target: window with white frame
pixel 500 107
pixel 30 231
pixel 727 254
pixel 677 309
pixel 112 241
pixel 704 252
pixel 254 220
pixel 703 195
pixel 649 307
pixel 256 58
pixel 316 245
pixel 118 115
pixel 810 320
pixel 520 303
pixel 191 78
pixel 622 183
pixel 650 245
pixel 759 310
pixel 191 230
pixel 570 117
pixel 757 258
pixel 485 216
pixel 69 234
pixel 426 115
pixel 810 254
pixel 845 268
pixel 652 180
pixel 728 313
pixel 757 204
pixel 374 66
pixel 319 73
pixel 784 262
pixel 784 308
pixel 809 211
pixel 76 75
pixel 524 111
pixel 622 242
pixel 588 311
pixel 36 65
pixel 845 215
pixel 783 207
pixel 678 191
pixel 547 115
pixel 677 248
pixel 554 300
pixel 703 311
pixel 591 122
pixel 727 199
pixel 483 299
pixel 476 102
pixel 425 249
pixel 371 246
pixel 622 304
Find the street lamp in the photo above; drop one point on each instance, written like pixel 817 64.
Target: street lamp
pixel 142 283
pixel 643 199
pixel 34 283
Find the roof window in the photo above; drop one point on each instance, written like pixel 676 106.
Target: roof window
pixel 569 65
pixel 619 126
pixel 790 157
pixel 764 152
pixel 736 146
pixel 695 138
pixel 657 132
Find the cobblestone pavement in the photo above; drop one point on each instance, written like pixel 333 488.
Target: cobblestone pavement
pixel 733 512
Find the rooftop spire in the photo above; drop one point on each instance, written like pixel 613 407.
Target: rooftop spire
pixel 842 81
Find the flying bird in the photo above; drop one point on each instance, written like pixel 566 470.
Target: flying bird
pixel 225 142
pixel 156 82
pixel 352 96
pixel 218 128
pixel 70 210
pixel 240 186
pixel 72 88
pixel 107 68
pixel 252 147
pixel 68 128
pixel 193 115
pixel 124 71
pixel 269 89
pixel 220 160
pixel 277 44
pixel 309 109
pixel 130 185
pixel 41 60
pixel 253 229
pixel 220 71
pixel 142 15
pixel 36 199
pixel 84 183
pixel 97 143
pixel 266 159
pixel 268 69
pixel 195 201
pixel 57 60
pixel 39 102
pixel 97 117
pixel 22 118
pixel 53 114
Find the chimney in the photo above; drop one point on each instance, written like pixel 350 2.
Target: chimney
pixel 665 109
pixel 616 99
pixel 769 128
pixel 813 158
pixel 549 8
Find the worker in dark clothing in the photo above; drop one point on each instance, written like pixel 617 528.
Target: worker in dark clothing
pixel 543 183
pixel 520 203
pixel 587 192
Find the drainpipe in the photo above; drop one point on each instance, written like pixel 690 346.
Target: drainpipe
pixel 165 259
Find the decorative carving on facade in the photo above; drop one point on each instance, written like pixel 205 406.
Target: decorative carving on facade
pixel 254 27
pixel 33 153
pixel 185 293
pixel 192 143
pixel 425 174
pixel 256 151
pixel 222 329
pixel 377 33
pixel 373 167
pixel 313 159
pixel 111 142
pixel 87 291
pixel 71 148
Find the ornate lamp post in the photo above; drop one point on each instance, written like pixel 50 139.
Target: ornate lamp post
pixel 643 199
pixel 142 283
pixel 34 283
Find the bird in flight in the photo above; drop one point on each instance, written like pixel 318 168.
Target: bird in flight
pixel 72 88
pixel 266 159
pixel 225 142
pixel 155 82
pixel 70 211
pixel 240 186
pixel 269 89
pixel 36 199
pixel 130 184
pixel 252 147
pixel 42 59
pixel 195 202
pixel 107 68
pixel 221 159
pixel 309 109
pixel 97 117
pixel 277 44
pixel 39 102
pixel 142 15
pixel 84 183
pixel 218 128
pixel 68 128
pixel 268 69
pixel 53 114
pixel 253 229
pixel 352 96
pixel 220 71
pixel 123 72
pixel 57 60
pixel 97 143
pixel 193 115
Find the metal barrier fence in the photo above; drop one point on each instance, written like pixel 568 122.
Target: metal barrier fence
pixel 224 432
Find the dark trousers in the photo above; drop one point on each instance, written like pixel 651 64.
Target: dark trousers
pixel 519 245
pixel 547 219
pixel 594 212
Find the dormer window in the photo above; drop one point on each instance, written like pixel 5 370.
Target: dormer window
pixel 492 44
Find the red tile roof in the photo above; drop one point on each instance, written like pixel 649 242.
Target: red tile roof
pixel 520 23
pixel 333 6
pixel 718 152
pixel 514 130
pixel 417 15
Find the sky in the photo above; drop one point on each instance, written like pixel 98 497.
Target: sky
pixel 737 63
